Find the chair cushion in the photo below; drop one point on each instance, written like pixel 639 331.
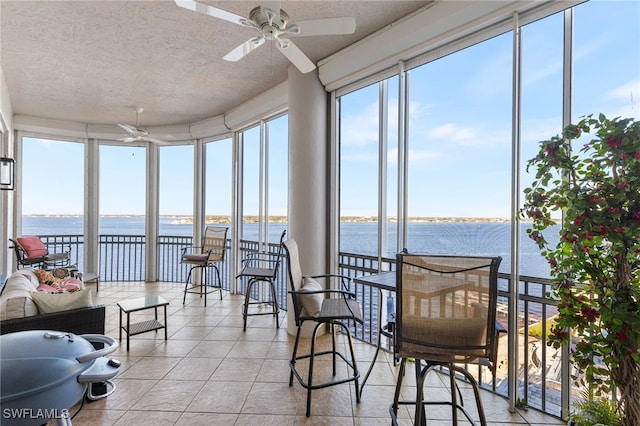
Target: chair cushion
pixel 32 246
pixel 195 258
pixel 311 303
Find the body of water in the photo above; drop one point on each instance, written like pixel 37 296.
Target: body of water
pixel 465 238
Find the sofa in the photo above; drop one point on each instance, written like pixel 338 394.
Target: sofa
pixel 23 307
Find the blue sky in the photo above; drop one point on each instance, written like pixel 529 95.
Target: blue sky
pixel 460 133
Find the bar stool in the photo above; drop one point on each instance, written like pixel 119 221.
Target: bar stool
pixel 261 267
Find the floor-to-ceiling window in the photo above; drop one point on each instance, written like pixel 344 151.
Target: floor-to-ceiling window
pixel 122 189
pixel 251 194
pixel 606 59
pixel 459 152
pixel 359 170
pixel 218 182
pixel 123 185
pixel 263 190
pixel 265 180
pixel 176 190
pixel 52 179
pixel 277 134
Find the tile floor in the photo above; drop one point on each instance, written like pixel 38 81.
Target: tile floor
pixel 210 372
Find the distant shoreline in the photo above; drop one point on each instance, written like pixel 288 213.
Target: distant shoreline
pixel 182 219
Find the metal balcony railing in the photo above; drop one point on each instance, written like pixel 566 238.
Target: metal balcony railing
pixel 540 378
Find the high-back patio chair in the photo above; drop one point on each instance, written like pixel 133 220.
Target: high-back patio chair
pixel 334 307
pixel 30 251
pixel 261 267
pixel 208 255
pixel 445 317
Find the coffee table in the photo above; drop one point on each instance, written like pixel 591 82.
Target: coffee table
pixel 141 304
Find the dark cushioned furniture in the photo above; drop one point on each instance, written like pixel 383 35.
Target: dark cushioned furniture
pixel 88 320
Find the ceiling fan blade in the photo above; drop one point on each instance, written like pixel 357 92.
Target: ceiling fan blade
pixel 211 11
pixel 273 6
pixel 295 55
pixel 244 49
pixel 325 26
pixel 128 128
pixel 128 139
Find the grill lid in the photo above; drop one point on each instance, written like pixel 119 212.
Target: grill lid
pixel 37 360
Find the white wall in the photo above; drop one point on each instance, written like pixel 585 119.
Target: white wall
pixel 6 197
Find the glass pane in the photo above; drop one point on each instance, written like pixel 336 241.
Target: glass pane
pixel 359 146
pixel 251 183
pixel 53 187
pixel 606 69
pixel 278 189
pixel 218 182
pixel 176 190
pixel 460 152
pixel 122 195
pixel 542 70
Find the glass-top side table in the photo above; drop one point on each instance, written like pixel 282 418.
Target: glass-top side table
pixel 141 304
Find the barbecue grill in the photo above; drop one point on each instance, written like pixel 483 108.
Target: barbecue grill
pixel 44 373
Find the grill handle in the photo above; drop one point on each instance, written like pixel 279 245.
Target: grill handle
pixel 111 343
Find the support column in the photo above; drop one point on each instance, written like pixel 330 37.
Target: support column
pixel 91 207
pixel 307 213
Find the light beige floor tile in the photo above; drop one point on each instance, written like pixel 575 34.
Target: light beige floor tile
pixel 155 418
pixel 265 420
pixel 271 398
pixel 207 419
pixel 194 369
pixel 150 368
pixel 169 395
pixel 237 370
pixel 221 397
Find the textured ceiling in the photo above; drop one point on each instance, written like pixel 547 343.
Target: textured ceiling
pixel 94 61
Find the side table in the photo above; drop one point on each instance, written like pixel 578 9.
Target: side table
pixel 141 304
pixel 89 277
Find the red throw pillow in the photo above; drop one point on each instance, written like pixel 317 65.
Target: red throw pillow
pixel 32 246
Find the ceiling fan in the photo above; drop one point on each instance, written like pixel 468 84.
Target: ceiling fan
pixel 136 133
pixel 272 23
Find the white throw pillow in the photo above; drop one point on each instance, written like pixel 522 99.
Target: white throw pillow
pixel 55 302
pixel 311 303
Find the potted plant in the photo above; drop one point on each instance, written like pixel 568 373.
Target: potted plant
pixel 591 411
pixel 595 266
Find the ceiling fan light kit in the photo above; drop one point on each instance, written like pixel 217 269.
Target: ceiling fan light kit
pixel 271 23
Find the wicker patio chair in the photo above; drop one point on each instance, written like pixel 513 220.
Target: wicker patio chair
pixel 206 256
pixel 261 267
pixel 445 317
pixel 312 302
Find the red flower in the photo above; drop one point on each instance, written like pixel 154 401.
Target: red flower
pixel 613 143
pixel 637 154
pixel 614 210
pixel 590 314
pixel 622 334
pixel 623 185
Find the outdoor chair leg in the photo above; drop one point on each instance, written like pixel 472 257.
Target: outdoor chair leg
pixel 274 298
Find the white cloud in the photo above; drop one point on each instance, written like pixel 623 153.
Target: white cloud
pixel 453 133
pixel 627 92
pixel 360 129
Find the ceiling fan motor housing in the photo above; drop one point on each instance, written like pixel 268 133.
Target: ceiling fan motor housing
pixel 268 26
